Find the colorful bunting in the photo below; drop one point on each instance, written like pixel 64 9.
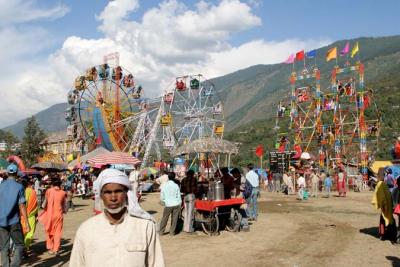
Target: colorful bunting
pixel 290 59
pixel 300 55
pixel 332 54
pixel 354 50
pixel 345 50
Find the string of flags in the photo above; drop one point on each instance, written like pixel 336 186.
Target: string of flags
pixel 331 54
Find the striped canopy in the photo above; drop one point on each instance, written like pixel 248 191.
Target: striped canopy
pixel 114 158
pixel 88 156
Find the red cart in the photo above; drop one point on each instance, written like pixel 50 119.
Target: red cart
pixel 210 212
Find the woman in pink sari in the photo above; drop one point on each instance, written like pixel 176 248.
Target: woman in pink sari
pixel 52 216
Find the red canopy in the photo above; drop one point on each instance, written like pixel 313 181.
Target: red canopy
pixel 114 158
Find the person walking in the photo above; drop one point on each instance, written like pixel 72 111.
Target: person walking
pixel 328 185
pixel 171 199
pixel 341 183
pixel 12 203
pixel 52 216
pixel 301 183
pixel 189 190
pixel 314 183
pixel 277 177
pixel 253 179
pixel 32 213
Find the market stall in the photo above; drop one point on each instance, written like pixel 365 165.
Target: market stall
pixel 214 212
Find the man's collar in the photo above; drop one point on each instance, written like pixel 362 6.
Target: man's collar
pixel 117 222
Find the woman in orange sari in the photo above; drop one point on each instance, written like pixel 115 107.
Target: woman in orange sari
pixel 52 216
pixel 32 211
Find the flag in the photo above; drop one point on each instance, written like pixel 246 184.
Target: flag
pixel 259 151
pixel 332 53
pixel 345 50
pixel 311 54
pixel 354 50
pixel 290 59
pixel 300 55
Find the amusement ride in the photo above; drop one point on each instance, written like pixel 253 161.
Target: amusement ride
pixel 108 109
pixel 336 124
pixel 102 105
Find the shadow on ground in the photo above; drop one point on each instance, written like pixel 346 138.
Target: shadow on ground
pixel 39 249
pixel 395 260
pixel 372 231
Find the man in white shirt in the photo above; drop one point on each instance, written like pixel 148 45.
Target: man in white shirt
pixel 301 182
pixel 253 179
pixel 123 235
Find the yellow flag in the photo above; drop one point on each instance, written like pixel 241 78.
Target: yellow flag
pixel 354 50
pixel 332 54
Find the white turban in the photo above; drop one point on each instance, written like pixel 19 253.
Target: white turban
pixel 117 177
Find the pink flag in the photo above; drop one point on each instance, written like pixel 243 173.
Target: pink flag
pixel 346 49
pixel 290 59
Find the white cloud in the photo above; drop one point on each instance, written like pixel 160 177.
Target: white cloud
pixel 170 40
pixel 20 11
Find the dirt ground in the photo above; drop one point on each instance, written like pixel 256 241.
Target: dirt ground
pixel 317 232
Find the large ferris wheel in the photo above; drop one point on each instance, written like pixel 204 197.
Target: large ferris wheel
pixel 100 105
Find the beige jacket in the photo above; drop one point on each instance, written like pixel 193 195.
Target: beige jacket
pixel 134 242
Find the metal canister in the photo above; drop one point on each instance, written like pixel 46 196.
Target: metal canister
pixel 211 191
pixel 219 191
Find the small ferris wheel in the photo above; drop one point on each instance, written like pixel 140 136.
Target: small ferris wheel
pixel 191 109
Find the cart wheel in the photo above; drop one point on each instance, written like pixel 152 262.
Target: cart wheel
pixel 233 223
pixel 211 224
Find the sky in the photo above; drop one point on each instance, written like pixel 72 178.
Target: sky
pixel 45 44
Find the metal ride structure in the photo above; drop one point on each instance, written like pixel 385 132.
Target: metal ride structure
pixel 100 103
pixel 189 109
pixel 330 123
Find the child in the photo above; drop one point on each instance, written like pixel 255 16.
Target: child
pixel 328 185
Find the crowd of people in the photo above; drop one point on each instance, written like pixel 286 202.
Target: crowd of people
pixel 21 198
pixel 123 222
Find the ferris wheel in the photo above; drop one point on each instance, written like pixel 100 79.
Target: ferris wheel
pixel 101 100
pixel 191 109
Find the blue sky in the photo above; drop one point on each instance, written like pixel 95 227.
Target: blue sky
pixel 301 19
pixel 45 44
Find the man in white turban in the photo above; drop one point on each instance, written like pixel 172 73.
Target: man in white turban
pixel 123 235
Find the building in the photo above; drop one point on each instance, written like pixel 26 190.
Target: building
pixel 14 147
pixel 59 143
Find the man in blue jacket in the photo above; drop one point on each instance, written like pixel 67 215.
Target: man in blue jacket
pixel 171 199
pixel 12 202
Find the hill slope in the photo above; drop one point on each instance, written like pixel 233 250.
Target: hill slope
pixel 252 94
pixel 50 120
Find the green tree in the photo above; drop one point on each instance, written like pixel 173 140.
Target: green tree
pixel 33 135
pixel 10 140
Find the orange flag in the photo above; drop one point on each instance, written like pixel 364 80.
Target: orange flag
pixel 332 54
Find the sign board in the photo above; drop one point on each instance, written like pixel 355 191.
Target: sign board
pixel 279 161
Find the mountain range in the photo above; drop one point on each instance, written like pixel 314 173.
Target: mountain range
pixel 252 94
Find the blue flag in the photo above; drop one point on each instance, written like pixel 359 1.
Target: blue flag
pixel 312 53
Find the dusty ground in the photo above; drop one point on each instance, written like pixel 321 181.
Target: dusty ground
pixel 317 232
